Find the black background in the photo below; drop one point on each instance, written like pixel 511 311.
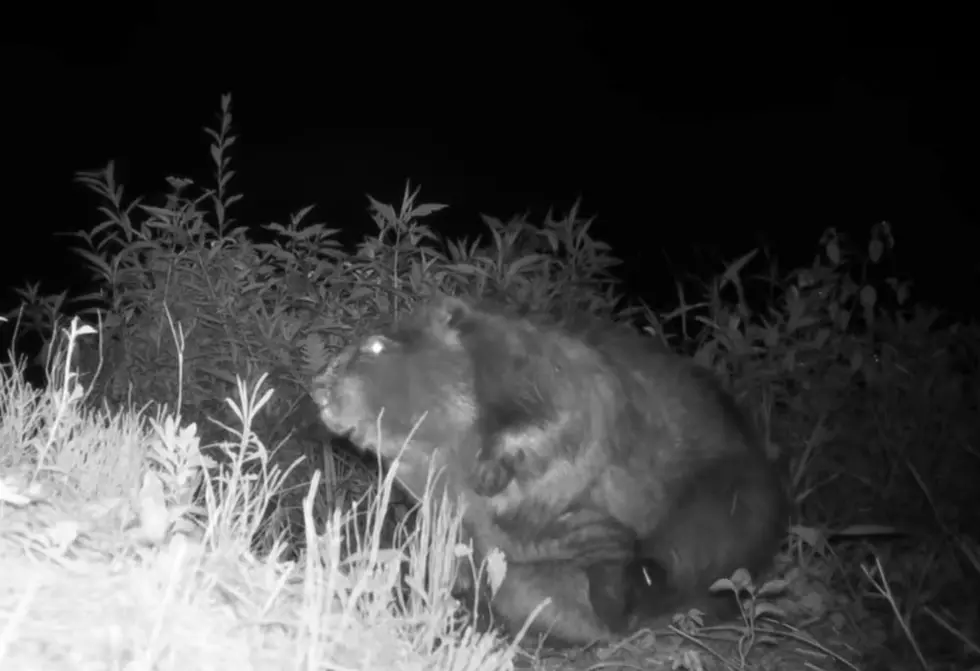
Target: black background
pixel 691 131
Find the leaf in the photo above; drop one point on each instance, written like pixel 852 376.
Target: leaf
pixel 12 495
pixel 741 578
pixel 765 608
pixel 772 588
pixel 79 328
pixel 496 569
pixel 875 249
pixel 833 251
pixel 315 355
pixel 813 601
pixel 466 269
pixel 426 210
pixel 387 215
pixel 812 536
pixel 723 585
pixel 868 296
pixel 63 533
pixel 734 269
pixel 519 265
pixel 153 513
pixel 864 530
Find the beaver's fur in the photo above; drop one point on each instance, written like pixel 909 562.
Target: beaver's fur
pixel 602 438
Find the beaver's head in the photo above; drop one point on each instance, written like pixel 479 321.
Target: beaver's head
pixel 411 379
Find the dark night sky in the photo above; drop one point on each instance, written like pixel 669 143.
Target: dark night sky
pixel 679 127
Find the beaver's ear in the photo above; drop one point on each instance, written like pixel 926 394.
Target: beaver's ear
pixel 448 317
pixel 450 312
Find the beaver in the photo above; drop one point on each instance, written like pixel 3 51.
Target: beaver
pixel 376 391
pixel 592 426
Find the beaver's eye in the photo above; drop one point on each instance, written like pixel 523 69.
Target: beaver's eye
pixel 374 346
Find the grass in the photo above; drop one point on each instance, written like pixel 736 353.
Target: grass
pixel 108 567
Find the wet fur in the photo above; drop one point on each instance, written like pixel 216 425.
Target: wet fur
pixel 610 421
pixel 602 437
pixel 400 373
pixel 619 589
